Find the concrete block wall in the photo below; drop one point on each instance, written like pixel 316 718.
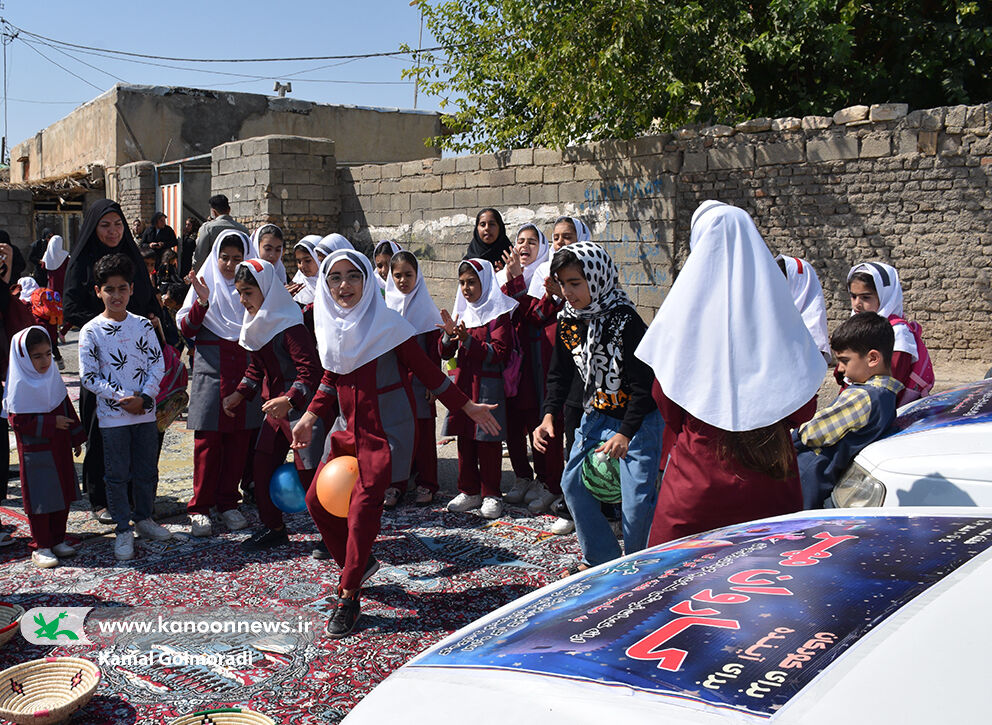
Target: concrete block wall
pixel 868 183
pixel 136 190
pixel 289 181
pixel 15 219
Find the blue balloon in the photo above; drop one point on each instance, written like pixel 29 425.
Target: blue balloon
pixel 286 491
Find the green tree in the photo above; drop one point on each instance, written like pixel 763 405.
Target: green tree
pixel 518 73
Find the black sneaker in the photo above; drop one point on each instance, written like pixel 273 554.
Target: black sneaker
pixel 320 551
pixel 265 539
pixel 371 568
pixel 342 622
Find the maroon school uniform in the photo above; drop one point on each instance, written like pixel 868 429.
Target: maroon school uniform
pixel 219 440
pixel 480 360
pixel 373 420
pixel 702 491
pixel 534 321
pixel 48 476
pixel 286 365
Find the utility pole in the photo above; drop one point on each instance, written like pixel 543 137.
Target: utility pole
pixel 420 44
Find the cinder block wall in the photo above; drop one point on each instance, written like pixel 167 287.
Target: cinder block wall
pixel 15 219
pixel 136 191
pixel 865 184
pixel 289 181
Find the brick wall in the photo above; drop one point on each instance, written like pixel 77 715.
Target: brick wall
pixel 289 181
pixel 136 190
pixel 911 189
pixel 15 219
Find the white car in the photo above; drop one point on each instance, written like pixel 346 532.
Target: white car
pixel 939 455
pixel 862 616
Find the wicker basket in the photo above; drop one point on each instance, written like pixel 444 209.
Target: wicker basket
pixel 224 716
pixel 10 619
pixel 47 691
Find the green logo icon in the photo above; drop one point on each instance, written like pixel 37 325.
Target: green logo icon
pixel 50 630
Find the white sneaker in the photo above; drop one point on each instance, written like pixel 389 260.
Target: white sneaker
pixel 44 559
pixel 492 507
pixel 124 546
pixel 148 529
pixel 533 493
pixel 200 525
pixel 561 527
pixel 542 502
pixel 464 502
pixel 234 520
pixel 519 490
pixel 63 550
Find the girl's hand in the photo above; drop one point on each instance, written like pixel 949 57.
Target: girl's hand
pixel 293 288
pixel 544 433
pixel 62 423
pixel 551 286
pixel 511 261
pixel 615 447
pixel 447 324
pixel 277 408
pixel 461 332
pixel 230 404
pixel 303 431
pixel 77 451
pixel 479 413
pixel 201 289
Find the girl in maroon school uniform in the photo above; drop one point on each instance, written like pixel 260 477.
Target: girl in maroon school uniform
pixel 481 337
pixel 48 432
pixel 406 292
pixel 530 251
pixel 212 315
pixel 367 351
pixel 285 369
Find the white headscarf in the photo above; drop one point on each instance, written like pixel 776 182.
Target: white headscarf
pixel 27 390
pixel 543 252
pixel 305 296
pixel 28 286
pixel 348 338
pixel 225 313
pixel 491 303
pixel 417 307
pixel 55 254
pixel 393 248
pixel 807 295
pixel 889 291
pixel 582 234
pixel 332 243
pixel 277 313
pixel 254 239
pixel 728 345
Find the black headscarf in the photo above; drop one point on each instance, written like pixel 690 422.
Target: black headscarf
pixel 79 301
pixel 494 252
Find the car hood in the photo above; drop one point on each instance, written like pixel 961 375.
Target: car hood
pixel 962 452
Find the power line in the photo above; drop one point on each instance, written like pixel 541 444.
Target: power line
pixel 77 60
pixel 356 56
pixel 76 75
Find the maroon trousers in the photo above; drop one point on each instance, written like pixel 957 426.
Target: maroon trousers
pixel 270 453
pixel 349 540
pixel 548 466
pixel 425 454
pixel 480 467
pixel 217 470
pixel 47 530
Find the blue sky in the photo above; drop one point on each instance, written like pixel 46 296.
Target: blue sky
pixel 40 93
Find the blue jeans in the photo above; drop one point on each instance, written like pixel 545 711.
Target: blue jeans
pixel 638 487
pixel 130 456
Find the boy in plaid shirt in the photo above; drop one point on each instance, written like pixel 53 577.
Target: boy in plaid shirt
pixel 861 414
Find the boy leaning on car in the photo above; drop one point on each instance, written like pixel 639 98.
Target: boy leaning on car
pixel 864 410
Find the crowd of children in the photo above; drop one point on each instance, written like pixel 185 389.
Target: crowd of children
pixel 545 353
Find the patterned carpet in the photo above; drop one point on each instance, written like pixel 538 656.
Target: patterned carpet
pixel 440 571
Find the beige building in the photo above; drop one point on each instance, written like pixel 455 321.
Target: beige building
pixel 176 128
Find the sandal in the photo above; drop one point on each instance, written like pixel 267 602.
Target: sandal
pixel 392 498
pixel 572 570
pixel 424 496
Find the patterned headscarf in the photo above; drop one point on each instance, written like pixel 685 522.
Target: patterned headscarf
pixel 605 294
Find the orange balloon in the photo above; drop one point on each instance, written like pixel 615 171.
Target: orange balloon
pixel 335 483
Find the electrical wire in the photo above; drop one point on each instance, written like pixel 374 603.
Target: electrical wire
pixel 76 75
pixel 75 59
pixel 356 56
